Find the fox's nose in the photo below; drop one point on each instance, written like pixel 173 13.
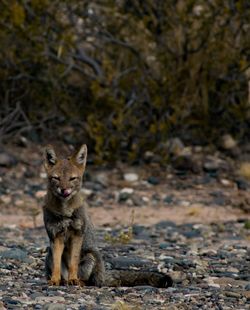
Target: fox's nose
pixel 65 192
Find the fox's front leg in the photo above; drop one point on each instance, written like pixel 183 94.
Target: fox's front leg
pixel 74 259
pixel 57 249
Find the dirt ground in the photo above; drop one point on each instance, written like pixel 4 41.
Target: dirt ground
pixel 176 215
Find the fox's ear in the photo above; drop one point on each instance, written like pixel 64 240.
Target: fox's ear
pixel 81 155
pixel 50 156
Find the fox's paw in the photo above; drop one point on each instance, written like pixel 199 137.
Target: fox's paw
pixel 74 282
pixel 54 282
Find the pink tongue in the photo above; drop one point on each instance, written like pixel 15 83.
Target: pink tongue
pixel 66 193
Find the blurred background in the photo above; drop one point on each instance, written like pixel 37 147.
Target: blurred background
pixel 125 76
pixel 159 90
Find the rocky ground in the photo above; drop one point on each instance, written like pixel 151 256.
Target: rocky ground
pixel 189 219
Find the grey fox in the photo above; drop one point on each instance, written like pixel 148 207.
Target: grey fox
pixel 72 256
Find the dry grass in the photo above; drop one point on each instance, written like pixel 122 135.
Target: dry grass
pixel 121 305
pixel 125 235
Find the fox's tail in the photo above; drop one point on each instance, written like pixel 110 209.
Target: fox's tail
pixel 135 278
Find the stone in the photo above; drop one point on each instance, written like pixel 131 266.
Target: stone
pixel 246 294
pixel 128 262
pixel 137 200
pixel 6 199
pixel 244 170
pixel 185 163
pixel 2 307
pixel 49 299
pixel 87 192
pixel 17 254
pixel 168 199
pixel 54 306
pixel 153 180
pixel 211 166
pixel 175 146
pixel 242 184
pixel 131 177
pixel 226 182
pixel 228 142
pixel 7 160
pixel 101 178
pixel 233 294
pixel 149 156
pixel 178 276
pixel 43 175
pixel 125 194
pixel 211 282
pixel 40 194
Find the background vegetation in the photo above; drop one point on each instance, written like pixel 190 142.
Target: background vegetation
pixel 125 75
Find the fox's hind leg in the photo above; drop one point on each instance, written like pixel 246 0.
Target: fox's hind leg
pixel 91 269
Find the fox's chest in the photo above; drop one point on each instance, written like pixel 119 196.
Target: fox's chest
pixel 68 225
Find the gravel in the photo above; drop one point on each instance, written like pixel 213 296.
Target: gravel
pixel 209 266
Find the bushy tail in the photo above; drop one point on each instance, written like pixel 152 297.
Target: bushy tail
pixel 135 278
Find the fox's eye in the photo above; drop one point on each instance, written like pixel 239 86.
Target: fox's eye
pixel 73 178
pixel 55 177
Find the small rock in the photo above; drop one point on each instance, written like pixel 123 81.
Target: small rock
pixel 7 160
pixel 2 306
pixel 129 262
pixel 175 146
pixel 17 254
pixel 184 203
pixel 12 303
pixel 43 175
pixel 247 295
pixel 19 203
pixel 86 192
pixel 34 295
pixel 242 184
pixel 149 156
pixel 145 199
pixel 165 225
pixel 101 178
pixel 54 306
pixel 185 163
pixel 41 299
pixel 210 282
pixel 137 200
pixel 178 276
pixel 125 194
pixel 145 288
pixel 228 142
pixel 225 182
pixel 131 177
pixel 164 246
pixel 40 194
pixel 168 199
pixel 6 199
pixel 23 141
pixel 211 166
pixel 138 229
pixel 244 170
pixel 233 294
pixel 192 234
pixel 153 180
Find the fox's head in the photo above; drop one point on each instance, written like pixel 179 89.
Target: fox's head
pixel 65 174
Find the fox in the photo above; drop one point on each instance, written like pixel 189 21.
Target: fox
pixel 73 257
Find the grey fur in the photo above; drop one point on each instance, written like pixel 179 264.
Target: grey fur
pixel 91 268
